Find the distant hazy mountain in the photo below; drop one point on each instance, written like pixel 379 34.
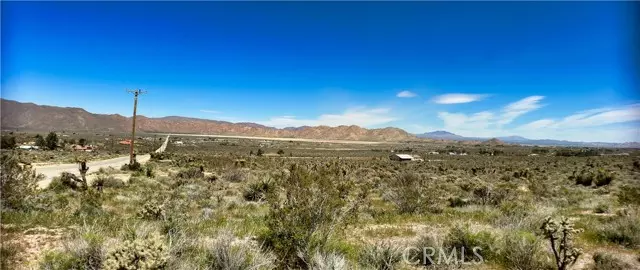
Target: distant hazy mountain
pixel 445 135
pixel 442 135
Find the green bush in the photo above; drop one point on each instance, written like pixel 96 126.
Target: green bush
pixel 523 251
pixel 84 251
pixel 603 178
pixel 461 238
pixel 382 256
pixel 17 184
pixel 425 244
pixel 314 205
pixel 524 173
pixel 629 194
pixel 160 156
pixel 40 141
pixel 235 176
pixel 149 172
pixel 328 261
pixel 458 202
pixel 8 142
pixel 411 193
pixel 191 173
pixel 483 192
pixel 152 210
pixel 139 253
pixel 259 190
pixel 66 181
pixel 9 251
pixel 604 261
pixel 624 230
pixel 57 260
pixel 107 182
pixel 136 167
pixel 601 208
pixel 51 141
pixel 223 254
pixel 584 178
pixel 90 204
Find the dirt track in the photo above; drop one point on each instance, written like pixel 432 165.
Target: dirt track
pixel 51 171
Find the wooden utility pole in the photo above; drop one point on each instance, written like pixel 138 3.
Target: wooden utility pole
pixel 133 129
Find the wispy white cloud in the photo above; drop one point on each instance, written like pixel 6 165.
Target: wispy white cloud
pixel 479 120
pixel 542 123
pixel 518 108
pixel 589 118
pixel 600 124
pixel 406 94
pixel 355 116
pixel 457 98
pixel 210 111
pixel 487 119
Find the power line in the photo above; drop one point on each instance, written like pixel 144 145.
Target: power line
pixel 133 129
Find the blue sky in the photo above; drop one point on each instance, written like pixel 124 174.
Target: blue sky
pixel 560 70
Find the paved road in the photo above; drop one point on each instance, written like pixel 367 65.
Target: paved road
pixel 277 139
pixel 163 146
pixel 51 171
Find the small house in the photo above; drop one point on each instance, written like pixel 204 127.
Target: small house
pixel 401 157
pixel 125 142
pixel 28 147
pixel 86 148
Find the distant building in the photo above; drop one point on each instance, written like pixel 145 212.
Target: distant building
pixel 179 143
pixel 401 157
pixel 125 142
pixel 86 148
pixel 28 147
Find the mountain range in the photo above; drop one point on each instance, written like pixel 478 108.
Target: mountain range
pixel 445 135
pixel 32 117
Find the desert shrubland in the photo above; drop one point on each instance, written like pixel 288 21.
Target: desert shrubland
pixel 211 205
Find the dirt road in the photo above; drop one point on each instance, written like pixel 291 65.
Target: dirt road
pixel 51 171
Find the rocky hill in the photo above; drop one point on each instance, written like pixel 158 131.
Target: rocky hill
pixel 33 117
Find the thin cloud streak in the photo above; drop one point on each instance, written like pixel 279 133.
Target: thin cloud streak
pixel 518 108
pixel 406 94
pixel 590 118
pixel 355 116
pixel 457 98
